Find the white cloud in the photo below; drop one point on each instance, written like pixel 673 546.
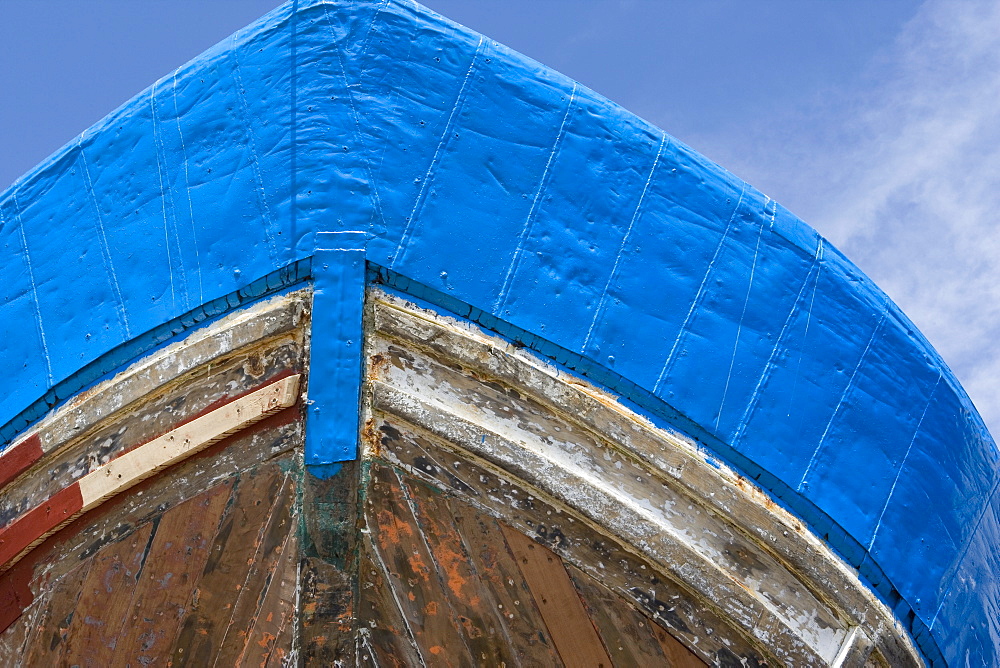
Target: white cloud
pixel 918 206
pixel 903 174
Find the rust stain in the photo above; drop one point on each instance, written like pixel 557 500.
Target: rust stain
pixel 453 563
pixel 391 528
pixel 418 567
pixel 371 439
pixel 377 365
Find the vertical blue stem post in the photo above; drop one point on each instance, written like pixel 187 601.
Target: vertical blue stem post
pixel 337 348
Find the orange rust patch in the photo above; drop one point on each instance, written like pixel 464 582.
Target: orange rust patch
pixel 370 438
pixel 391 527
pixel 378 364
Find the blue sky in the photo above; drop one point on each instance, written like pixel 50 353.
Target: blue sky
pixel 876 121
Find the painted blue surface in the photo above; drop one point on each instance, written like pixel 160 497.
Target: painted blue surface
pixel 501 190
pixel 335 365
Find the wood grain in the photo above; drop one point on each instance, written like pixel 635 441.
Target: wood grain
pixel 18 458
pixel 105 601
pixel 573 632
pixel 471 601
pixel 225 573
pixel 263 561
pixel 525 629
pixel 631 638
pixel 146 460
pixel 269 641
pixel 679 656
pixel 177 556
pixel 418 588
pixel 382 634
pixel 577 542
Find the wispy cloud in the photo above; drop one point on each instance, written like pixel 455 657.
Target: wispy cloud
pixel 918 206
pixel 903 174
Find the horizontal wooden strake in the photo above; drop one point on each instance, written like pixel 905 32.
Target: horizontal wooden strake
pixel 134 466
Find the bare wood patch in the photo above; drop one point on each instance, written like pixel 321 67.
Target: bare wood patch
pixel 572 630
pixel 263 559
pixel 269 641
pixel 573 538
pixel 177 556
pixel 629 636
pixel 105 601
pixel 400 546
pixel 526 631
pixel 226 568
pixel 471 601
pixel 383 637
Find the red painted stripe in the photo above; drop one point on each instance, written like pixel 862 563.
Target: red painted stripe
pixel 15 596
pixel 39 521
pixel 19 458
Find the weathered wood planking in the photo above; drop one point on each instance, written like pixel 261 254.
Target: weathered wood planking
pixel 329 567
pixel 174 564
pixel 405 556
pixel 465 593
pixel 269 640
pixel 134 466
pixel 105 599
pixel 629 636
pixel 527 634
pixel 515 601
pixel 148 532
pixel 262 563
pixel 556 526
pixel 141 598
pixel 49 628
pixel 613 490
pixel 733 548
pixel 573 632
pixel 155 394
pixel 383 637
pixel 240 534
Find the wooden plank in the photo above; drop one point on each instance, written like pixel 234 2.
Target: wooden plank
pixel 572 630
pixel 177 556
pixel 269 641
pixel 382 634
pixel 574 540
pixel 526 631
pixel 225 573
pixel 146 460
pixel 51 626
pixel 417 588
pixel 143 462
pixel 105 601
pixel 328 570
pixel 15 595
pixel 78 439
pixel 629 636
pixel 18 458
pixel 263 561
pixel 30 529
pixel 678 656
pixel 472 602
pixel 20 633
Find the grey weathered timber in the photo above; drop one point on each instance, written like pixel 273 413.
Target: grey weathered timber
pixel 472 399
